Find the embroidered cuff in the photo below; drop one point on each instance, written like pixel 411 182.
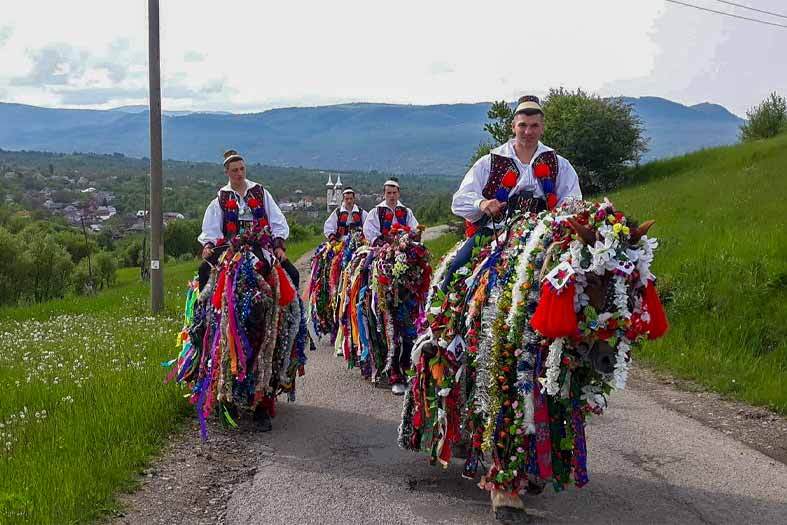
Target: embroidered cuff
pixel 477 203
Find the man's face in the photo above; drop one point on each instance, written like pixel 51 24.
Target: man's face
pixel 528 128
pixel 236 172
pixel 391 195
pixel 349 200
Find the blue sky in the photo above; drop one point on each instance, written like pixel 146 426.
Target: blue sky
pixel 248 56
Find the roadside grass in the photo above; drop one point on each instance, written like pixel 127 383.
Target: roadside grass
pixel 84 406
pixel 439 246
pixel 722 266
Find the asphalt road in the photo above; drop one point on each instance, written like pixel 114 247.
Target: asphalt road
pixel 332 458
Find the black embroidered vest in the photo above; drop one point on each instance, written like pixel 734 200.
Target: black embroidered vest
pixel 387 217
pixel 343 227
pixel 255 199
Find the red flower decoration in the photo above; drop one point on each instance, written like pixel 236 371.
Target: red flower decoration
pixel 388 216
pixel 356 217
pixel 263 222
pixel 542 171
pixel 509 179
pixel 232 204
pixel 384 280
pixel 400 213
pixel 254 202
pixel 618 216
pixel 231 226
pixel 551 200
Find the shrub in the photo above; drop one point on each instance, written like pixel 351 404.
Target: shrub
pixel 765 120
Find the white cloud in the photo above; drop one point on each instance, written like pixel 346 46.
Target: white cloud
pixel 248 56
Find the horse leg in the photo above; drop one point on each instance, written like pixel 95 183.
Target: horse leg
pixel 508 508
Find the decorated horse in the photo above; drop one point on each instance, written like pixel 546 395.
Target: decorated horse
pixel 381 297
pixel 245 333
pixel 529 340
pixel 327 266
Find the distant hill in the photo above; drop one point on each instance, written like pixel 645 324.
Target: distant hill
pixel 395 138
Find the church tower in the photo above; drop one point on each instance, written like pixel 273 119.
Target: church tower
pixel 329 193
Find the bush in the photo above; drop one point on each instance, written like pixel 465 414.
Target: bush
pixel 81 281
pixel 13 267
pixel 49 268
pixel 601 137
pixel 765 120
pixel 180 237
pixel 105 269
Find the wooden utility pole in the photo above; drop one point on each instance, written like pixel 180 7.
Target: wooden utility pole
pixel 156 215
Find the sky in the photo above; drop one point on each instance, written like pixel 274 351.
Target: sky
pixel 246 56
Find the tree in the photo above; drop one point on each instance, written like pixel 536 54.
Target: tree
pixel 600 136
pixel 765 120
pixel 180 236
pixel 49 268
pixel 500 116
pixel 13 267
pixel 106 269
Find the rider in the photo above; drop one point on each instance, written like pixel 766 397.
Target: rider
pixel 378 229
pixel 242 191
pixel 379 223
pixel 523 173
pixel 344 219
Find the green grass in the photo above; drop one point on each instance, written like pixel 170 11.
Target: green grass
pixel 438 247
pixel 84 406
pixel 722 266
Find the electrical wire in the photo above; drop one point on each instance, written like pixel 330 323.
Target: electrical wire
pixel 726 14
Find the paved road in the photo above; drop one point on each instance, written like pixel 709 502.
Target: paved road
pixel 332 458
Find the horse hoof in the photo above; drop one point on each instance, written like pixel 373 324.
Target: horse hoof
pixel 510 515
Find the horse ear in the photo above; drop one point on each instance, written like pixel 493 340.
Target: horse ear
pixel 587 235
pixel 643 228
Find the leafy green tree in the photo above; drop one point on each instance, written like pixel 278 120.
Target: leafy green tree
pixel 49 268
pixel 180 237
pixel 76 244
pixel 105 269
pixel 500 115
pixel 13 267
pixel 600 136
pixel 765 120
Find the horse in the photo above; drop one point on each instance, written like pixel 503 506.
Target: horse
pixel 530 338
pixel 382 292
pixel 244 333
pixel 322 300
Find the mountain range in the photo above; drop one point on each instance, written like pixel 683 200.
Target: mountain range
pixel 437 139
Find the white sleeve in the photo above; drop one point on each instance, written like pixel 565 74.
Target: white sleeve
pixel 412 222
pixel 371 226
pixel 276 219
pixel 467 199
pixel 567 182
pixel 211 223
pixel 331 224
pixel 364 215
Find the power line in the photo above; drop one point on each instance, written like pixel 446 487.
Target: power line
pixel 752 9
pixel 726 14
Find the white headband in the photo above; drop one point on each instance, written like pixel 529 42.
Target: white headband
pixel 232 158
pixel 348 190
pixel 391 183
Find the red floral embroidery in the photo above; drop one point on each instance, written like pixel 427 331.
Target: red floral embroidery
pixel 232 204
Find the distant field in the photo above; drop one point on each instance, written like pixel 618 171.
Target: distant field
pixel 84 405
pixel 722 264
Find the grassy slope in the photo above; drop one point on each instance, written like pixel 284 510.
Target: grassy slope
pixel 93 365
pixel 722 265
